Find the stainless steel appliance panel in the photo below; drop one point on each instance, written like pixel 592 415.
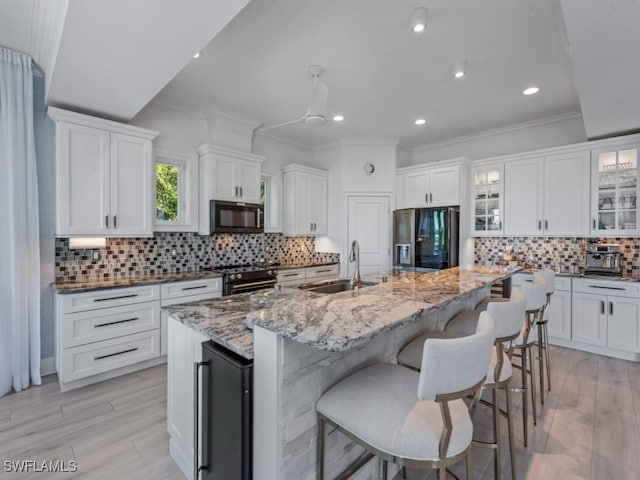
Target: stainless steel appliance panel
pixel 235 217
pixel 404 237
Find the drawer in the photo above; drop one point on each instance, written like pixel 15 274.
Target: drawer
pixel 92 326
pixel 209 286
pixel 109 297
pixel 563 283
pixel 616 288
pixel 294 275
pixel 86 360
pixel 324 271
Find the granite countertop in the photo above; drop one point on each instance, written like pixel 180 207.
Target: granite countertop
pixel 288 266
pixel 130 281
pixel 342 321
pixel 220 319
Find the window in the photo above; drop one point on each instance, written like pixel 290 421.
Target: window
pixel 270 192
pixel 176 193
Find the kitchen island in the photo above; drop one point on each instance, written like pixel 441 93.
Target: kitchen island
pixel 305 342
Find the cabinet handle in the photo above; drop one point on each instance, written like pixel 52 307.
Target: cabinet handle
pixel 236 194
pixel 115 298
pixel 98 325
pixel 500 225
pixel 194 288
pixel 323 271
pixel 106 221
pixel 114 354
pixel 291 275
pixel 607 288
pixel 594 223
pixel 546 224
pixel 115 221
pixel 602 307
pixel 426 198
pixel 241 192
pixel 431 198
pixel 539 225
pixel 610 308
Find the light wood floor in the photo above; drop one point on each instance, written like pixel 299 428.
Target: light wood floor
pixel 589 427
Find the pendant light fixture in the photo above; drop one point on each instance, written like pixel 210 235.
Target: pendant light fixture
pixel 418 19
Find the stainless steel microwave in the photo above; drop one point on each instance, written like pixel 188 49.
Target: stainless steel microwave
pixel 236 217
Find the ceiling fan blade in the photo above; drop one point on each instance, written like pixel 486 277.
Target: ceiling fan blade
pixel 271 127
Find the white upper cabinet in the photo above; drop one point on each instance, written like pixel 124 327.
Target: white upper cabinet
pixel 229 175
pixel 614 191
pixel 419 187
pixel 487 199
pixel 547 196
pixel 104 177
pixel 305 202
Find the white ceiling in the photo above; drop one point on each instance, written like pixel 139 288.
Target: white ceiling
pixel 114 56
pixel 380 75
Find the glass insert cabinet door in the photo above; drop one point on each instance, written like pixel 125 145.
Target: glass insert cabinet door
pixel 487 198
pixel 615 191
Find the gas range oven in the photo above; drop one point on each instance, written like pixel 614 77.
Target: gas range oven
pixel 246 278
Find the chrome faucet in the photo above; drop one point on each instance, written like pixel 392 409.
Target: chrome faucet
pixel 354 256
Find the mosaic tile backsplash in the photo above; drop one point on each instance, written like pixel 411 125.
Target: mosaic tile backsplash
pixel 556 253
pixel 180 252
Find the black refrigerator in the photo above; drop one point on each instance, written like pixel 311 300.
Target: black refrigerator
pixel 426 239
pixel 226 422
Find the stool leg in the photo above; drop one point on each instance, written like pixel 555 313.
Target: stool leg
pixel 546 355
pixel 541 361
pixel 533 386
pixel 512 447
pixel 496 434
pixel 320 450
pixel 469 466
pixel 384 470
pixel 442 472
pixel 525 393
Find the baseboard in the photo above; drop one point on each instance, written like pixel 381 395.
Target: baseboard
pixel 608 352
pixel 47 366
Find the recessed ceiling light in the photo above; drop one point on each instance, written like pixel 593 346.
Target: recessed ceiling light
pixel 418 19
pixel 460 69
pixel 420 121
pixel 197 55
pixel 530 91
pixel 338 118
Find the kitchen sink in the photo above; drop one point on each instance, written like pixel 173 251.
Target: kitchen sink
pixel 335 286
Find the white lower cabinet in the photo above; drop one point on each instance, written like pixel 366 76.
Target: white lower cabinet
pixel 184 350
pixel 606 313
pixel 105 333
pixel 559 325
pixel 296 276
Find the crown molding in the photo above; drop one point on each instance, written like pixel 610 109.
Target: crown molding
pixel 276 138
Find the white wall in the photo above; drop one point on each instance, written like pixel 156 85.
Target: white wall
pixel 518 138
pixel 279 153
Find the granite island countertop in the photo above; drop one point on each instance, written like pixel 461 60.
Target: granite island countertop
pixel 342 321
pixel 131 281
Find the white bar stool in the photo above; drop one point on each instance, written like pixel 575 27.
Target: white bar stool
pixel 377 406
pixel 508 317
pixel 543 334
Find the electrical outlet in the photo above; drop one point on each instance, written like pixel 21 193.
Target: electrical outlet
pixel 95 254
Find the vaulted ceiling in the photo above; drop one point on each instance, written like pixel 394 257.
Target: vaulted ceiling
pixel 111 57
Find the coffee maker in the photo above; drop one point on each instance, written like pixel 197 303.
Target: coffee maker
pixel 603 259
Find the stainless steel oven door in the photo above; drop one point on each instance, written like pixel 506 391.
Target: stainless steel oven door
pixel 231 288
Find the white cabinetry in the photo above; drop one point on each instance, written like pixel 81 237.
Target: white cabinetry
pixel 606 313
pixel 174 293
pixel 487 199
pixel 547 195
pixel 184 349
pixel 106 333
pixel 104 177
pixel 305 200
pixel 614 191
pixel 226 175
pixel 294 276
pixel 421 186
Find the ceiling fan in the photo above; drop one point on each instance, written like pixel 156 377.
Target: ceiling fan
pixel 317 112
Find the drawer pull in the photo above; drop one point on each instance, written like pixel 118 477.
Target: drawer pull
pixel 117 353
pixel 98 325
pixel 323 271
pixel 607 288
pixel 193 288
pixel 115 298
pixel 610 308
pixel 291 275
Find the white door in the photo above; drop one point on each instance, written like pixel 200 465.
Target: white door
pixel 318 204
pixel 624 324
pixel 566 194
pixel 444 186
pixel 369 224
pixel 414 189
pixel 560 315
pixel 589 319
pixel 131 186
pixel 225 183
pixel 523 197
pixel 248 178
